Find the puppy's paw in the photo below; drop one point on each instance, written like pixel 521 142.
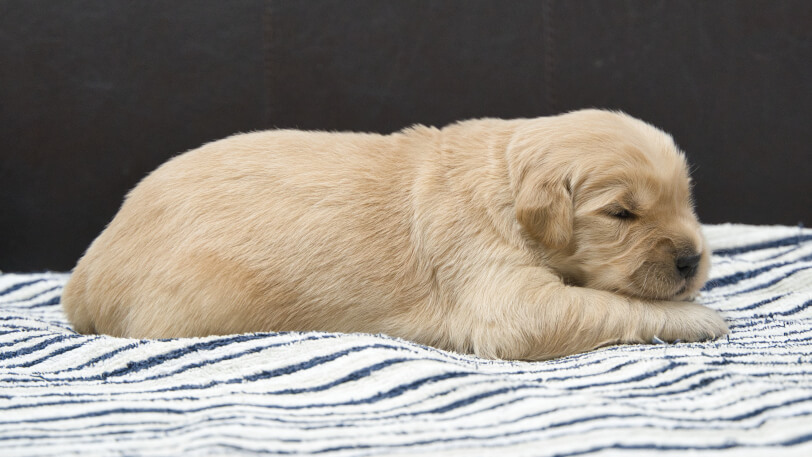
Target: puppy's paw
pixel 690 322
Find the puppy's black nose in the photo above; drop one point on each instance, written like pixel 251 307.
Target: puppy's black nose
pixel 687 266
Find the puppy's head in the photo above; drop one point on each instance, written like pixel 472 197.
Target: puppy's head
pixel 607 197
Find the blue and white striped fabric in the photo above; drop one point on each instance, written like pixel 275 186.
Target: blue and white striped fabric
pixel 361 395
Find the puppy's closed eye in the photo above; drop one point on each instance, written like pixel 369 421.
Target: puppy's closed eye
pixel 621 213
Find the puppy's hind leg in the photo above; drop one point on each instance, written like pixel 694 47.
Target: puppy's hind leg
pixel 74 304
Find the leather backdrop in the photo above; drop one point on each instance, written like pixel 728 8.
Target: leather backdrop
pixel 96 93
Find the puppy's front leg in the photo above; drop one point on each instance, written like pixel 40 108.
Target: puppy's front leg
pixel 541 318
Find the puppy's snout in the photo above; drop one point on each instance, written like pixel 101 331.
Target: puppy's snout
pixel 688 265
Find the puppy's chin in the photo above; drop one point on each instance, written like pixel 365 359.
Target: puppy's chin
pixel 686 293
pixel 672 292
pixel 679 291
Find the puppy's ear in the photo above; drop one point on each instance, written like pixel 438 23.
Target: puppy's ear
pixel 544 209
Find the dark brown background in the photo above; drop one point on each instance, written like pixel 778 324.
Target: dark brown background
pixel 96 93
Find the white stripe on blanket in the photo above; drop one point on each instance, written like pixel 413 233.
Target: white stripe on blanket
pixel 357 395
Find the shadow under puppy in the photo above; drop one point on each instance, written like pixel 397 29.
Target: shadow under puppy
pixel 513 239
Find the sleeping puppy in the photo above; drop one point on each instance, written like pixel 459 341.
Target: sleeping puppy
pixel 514 239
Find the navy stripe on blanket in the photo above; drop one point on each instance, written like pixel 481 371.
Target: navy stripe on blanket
pixel 748 393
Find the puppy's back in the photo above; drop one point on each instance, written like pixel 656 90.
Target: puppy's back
pixel 204 243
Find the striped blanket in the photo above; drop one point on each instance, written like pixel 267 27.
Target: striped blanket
pixel 749 393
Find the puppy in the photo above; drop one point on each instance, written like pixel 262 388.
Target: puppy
pixel 514 239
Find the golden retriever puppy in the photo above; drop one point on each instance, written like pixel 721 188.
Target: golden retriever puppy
pixel 514 239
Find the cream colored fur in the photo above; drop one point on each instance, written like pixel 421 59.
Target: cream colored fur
pixel 502 238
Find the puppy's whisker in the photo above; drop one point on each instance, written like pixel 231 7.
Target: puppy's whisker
pixel 645 278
